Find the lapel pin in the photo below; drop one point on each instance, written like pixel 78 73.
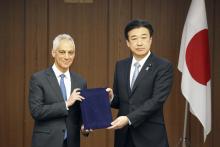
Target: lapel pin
pixel 148 67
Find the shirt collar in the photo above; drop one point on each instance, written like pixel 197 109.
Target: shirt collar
pixel 58 72
pixel 142 61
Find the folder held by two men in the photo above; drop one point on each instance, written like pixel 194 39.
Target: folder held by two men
pixel 95 108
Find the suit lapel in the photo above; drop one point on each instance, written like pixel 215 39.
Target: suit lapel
pixel 127 75
pixel 54 83
pixel 144 70
pixel 73 83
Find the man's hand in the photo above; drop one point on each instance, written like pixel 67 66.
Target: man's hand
pixel 119 122
pixel 75 96
pixel 85 132
pixel 110 94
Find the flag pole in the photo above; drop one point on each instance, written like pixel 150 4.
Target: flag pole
pixel 184 139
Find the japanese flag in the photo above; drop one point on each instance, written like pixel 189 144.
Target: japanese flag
pixel 194 63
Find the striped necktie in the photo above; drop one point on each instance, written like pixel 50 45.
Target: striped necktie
pixel 136 71
pixel 63 90
pixel 63 87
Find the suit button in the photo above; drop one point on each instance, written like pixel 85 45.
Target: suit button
pixel 63 130
pixel 132 109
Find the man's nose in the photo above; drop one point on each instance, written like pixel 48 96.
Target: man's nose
pixel 66 55
pixel 139 42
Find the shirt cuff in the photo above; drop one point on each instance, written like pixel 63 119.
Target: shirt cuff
pixel 129 122
pixel 111 99
pixel 66 106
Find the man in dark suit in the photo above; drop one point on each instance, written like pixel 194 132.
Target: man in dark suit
pixel 54 99
pixel 141 85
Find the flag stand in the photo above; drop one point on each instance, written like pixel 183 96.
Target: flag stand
pixel 184 141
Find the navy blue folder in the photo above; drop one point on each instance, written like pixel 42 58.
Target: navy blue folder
pixel 95 108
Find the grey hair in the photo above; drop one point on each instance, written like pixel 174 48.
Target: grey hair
pixel 56 41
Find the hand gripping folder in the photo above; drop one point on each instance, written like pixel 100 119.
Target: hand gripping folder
pixel 95 108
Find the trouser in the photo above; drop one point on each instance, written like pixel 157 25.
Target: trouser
pixel 65 143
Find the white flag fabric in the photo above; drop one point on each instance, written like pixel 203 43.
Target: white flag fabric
pixel 194 63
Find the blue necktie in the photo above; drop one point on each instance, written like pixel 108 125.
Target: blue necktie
pixel 62 87
pixel 136 71
pixel 63 90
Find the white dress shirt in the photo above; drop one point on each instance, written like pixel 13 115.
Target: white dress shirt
pixel 141 62
pixel 67 79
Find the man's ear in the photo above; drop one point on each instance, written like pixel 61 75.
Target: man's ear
pixel 53 53
pixel 151 40
pixel 128 43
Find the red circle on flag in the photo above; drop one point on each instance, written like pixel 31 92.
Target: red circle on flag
pixel 197 57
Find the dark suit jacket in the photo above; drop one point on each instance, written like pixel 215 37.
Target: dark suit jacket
pixel 49 111
pixel 143 105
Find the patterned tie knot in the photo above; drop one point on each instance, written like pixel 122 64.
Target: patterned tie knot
pixel 62 76
pixel 137 65
pixel 136 71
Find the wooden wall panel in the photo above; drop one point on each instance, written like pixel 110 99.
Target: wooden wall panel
pixel 216 76
pixel 119 15
pixel 36 52
pixel 87 23
pixel 12 77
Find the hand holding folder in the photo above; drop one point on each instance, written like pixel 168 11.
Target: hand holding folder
pixel 95 108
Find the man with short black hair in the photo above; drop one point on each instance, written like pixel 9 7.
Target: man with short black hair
pixel 142 83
